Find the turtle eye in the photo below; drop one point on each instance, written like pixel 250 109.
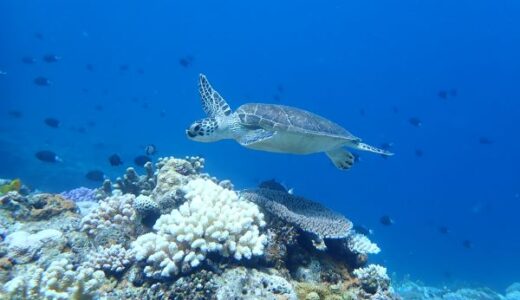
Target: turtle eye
pixel 197 127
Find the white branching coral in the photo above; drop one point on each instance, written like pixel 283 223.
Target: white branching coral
pixel 114 259
pixel 112 211
pixel 213 219
pixel 60 281
pixel 360 244
pixel 373 278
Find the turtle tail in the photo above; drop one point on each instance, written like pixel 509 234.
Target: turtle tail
pixel 366 147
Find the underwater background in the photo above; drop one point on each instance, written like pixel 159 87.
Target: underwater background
pixel 435 80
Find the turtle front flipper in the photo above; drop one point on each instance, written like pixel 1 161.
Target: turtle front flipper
pixel 256 136
pixel 365 147
pixel 341 158
pixel 212 103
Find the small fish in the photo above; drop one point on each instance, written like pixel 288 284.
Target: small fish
pixel 277 98
pixel 415 121
pixel 15 114
pixel 124 67
pixel 162 114
pixel 95 175
pixel 2 72
pixel 280 88
pixel 141 160
pixel 443 94
pixel 28 60
pixel 395 109
pixel 467 244
pixel 91 124
pixel 115 160
pixel 89 67
pixel 38 35
pixel 42 81
pixel 418 152
pixel 140 71
pixel 386 220
pixel 150 149
pixel 98 107
pixel 363 230
pixel 14 185
pixel 186 61
pixel 272 184
pixel 485 141
pixel 47 156
pixel 51 58
pixel 444 230
pixel 52 122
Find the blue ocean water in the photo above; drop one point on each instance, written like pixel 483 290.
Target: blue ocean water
pixel 369 66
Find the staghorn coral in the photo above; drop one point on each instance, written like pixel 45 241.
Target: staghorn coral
pixel 373 278
pixel 113 259
pixel 360 244
pixel 113 212
pixel 213 219
pixel 307 215
pixel 59 281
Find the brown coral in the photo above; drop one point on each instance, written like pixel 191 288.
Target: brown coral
pixel 45 206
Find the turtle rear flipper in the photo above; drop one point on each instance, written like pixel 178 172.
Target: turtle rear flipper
pixel 366 147
pixel 341 158
pixel 212 103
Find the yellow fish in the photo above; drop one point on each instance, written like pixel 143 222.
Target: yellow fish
pixel 14 185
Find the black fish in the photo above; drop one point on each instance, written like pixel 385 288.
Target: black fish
pixel 272 184
pixel 28 60
pixel 443 94
pixel 42 81
pixel 395 109
pixel 150 149
pixel 467 244
pixel 485 141
pixel 51 58
pixel 98 107
pixel 124 67
pixel 95 175
pixel 386 220
pixel 141 160
pixel 362 112
pixel 418 152
pixel 15 114
pixel 47 156
pixel 52 122
pixel 444 230
pixel 162 114
pixel 363 230
pixel 89 67
pixel 280 88
pixel 115 160
pixel 186 61
pixel 140 71
pixel 415 121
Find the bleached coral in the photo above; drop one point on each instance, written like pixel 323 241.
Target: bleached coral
pixel 60 281
pixel 113 259
pixel 360 244
pixel 213 219
pixel 112 212
pixel 373 278
pixel 23 246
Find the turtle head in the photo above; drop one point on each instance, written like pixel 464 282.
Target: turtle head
pixel 204 130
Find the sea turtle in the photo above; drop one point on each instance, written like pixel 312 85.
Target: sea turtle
pixel 274 128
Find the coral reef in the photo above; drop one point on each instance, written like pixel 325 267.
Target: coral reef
pixel 177 233
pixel 60 280
pixel 212 220
pixel 307 215
pixel 80 194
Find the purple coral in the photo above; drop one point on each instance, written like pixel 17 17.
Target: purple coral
pixel 80 194
pixel 308 215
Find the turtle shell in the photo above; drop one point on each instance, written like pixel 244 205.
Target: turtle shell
pixel 289 119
